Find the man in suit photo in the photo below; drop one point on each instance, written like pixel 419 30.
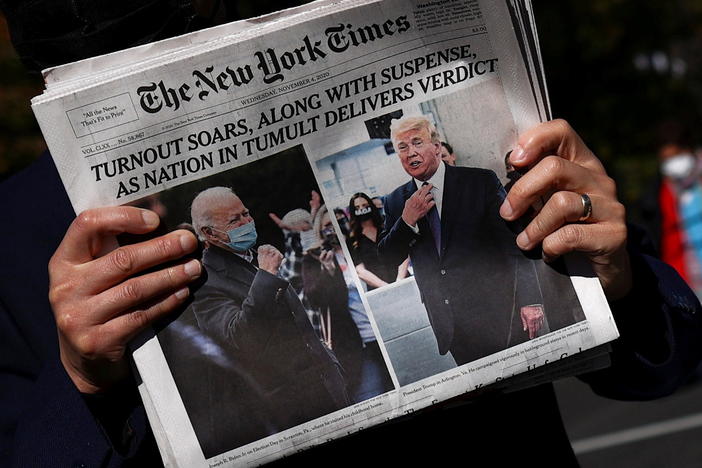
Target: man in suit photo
pixel 482 294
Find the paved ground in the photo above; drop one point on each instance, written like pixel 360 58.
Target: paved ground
pixel 657 434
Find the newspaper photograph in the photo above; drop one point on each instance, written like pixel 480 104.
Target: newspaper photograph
pixel 342 166
pixel 512 298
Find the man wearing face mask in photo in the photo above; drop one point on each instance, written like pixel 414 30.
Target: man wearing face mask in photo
pixel 259 316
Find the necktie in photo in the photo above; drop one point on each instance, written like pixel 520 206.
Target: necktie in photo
pixel 434 224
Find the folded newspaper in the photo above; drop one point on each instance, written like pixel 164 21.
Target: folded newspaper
pixel 297 147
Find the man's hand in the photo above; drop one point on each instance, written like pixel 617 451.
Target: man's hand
pixel 532 319
pixel 98 300
pixel 403 270
pixel 418 205
pixel 269 259
pixel 564 169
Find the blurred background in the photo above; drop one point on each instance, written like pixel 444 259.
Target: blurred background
pixel 627 74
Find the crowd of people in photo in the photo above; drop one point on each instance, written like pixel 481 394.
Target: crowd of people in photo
pixel 265 324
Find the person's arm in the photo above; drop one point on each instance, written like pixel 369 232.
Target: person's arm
pixel 322 285
pixel 369 277
pixel 528 301
pixel 45 421
pixel 659 318
pixel 59 426
pixel 660 322
pixel 248 323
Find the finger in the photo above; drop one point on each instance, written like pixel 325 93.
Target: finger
pixel 558 138
pixel 562 208
pixel 129 260
pixel 136 292
pixel 593 239
pixel 424 190
pixel 548 176
pixel 85 235
pixel 126 327
pixel 524 323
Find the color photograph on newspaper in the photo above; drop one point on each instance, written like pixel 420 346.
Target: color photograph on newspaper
pixel 441 269
pixel 275 334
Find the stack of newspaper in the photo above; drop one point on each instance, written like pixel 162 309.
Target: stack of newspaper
pixel 336 113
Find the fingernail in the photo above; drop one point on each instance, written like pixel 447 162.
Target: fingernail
pixel 150 218
pixel 182 294
pixel 523 240
pixel 187 242
pixel 192 268
pixel 518 155
pixel 506 209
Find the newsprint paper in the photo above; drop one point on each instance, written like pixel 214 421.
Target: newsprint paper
pixel 309 133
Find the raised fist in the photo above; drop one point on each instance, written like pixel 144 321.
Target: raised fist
pixel 418 205
pixel 269 259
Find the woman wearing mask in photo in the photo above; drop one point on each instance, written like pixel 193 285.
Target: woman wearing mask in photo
pixel 366 226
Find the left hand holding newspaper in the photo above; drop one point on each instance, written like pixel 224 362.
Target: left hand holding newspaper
pixel 99 296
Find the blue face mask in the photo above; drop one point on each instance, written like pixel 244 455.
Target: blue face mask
pixel 243 237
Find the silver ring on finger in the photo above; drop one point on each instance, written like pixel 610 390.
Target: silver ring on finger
pixel 587 207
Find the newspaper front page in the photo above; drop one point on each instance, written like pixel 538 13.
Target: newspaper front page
pixel 291 146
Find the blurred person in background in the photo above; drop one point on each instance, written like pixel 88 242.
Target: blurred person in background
pixel 296 226
pixel 366 226
pixel 447 154
pixel 672 208
pixel 343 221
pixel 329 285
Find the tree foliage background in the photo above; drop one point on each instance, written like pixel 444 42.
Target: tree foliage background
pixel 616 69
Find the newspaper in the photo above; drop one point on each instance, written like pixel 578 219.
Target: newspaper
pixel 302 135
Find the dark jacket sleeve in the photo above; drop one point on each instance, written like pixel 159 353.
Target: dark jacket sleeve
pixel 322 289
pixel 60 427
pixel 243 324
pixel 660 323
pixel 44 420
